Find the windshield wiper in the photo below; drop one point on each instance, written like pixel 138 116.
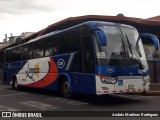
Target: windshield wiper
pixel 123 45
pixel 137 46
pixel 132 49
pixel 130 46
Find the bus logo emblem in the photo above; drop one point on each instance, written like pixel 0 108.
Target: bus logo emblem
pixel 60 63
pixel 110 70
pixel 130 73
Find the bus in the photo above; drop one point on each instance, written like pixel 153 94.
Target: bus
pixel 94 57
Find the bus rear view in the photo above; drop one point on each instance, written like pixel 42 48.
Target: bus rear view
pixel 121 62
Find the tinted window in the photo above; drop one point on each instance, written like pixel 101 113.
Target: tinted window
pixel 8 56
pixel 30 48
pixel 88 55
pixel 63 43
pixel 13 55
pixel 37 49
pixel 51 46
pixel 70 41
pixel 17 54
pixel 25 52
pixel 74 41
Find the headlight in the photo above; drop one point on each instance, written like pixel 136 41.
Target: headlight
pixel 146 79
pixel 107 80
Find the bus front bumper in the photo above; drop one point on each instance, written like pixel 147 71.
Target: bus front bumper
pixel 124 85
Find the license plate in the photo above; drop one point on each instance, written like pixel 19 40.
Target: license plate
pixel 131 86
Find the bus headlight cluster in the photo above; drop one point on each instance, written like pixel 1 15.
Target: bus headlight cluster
pixel 108 80
pixel 146 79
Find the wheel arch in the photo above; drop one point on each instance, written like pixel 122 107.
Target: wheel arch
pixel 60 78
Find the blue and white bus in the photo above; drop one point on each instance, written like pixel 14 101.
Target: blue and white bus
pixel 94 57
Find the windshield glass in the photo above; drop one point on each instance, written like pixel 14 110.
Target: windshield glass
pixel 135 46
pixel 117 53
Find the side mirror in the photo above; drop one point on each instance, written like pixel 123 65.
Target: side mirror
pixel 153 38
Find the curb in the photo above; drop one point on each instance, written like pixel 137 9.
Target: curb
pixel 147 93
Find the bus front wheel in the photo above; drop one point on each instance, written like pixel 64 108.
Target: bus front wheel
pixel 65 88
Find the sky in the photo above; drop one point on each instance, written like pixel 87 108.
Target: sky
pixel 17 16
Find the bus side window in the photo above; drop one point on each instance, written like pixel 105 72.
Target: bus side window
pixel 88 55
pixel 30 48
pixel 16 54
pixel 25 52
pixel 74 45
pixel 51 46
pixel 70 41
pixel 37 49
pixel 63 39
pixel 74 41
pixel 8 56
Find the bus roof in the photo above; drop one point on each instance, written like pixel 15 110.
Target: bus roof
pixel 88 23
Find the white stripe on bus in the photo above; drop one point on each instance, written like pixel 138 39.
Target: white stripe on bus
pixel 69 61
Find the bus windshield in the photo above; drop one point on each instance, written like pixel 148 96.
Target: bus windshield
pixel 124 47
pixel 135 47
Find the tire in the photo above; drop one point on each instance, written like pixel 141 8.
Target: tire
pixel 65 88
pixel 14 84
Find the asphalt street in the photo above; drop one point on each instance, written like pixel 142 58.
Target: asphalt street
pixel 38 100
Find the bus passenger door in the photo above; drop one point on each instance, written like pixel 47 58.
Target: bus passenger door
pixel 86 79
pixel 88 65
